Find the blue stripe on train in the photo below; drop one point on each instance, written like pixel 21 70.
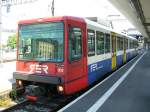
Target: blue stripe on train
pixel 97 70
pixel 130 55
pixel 119 60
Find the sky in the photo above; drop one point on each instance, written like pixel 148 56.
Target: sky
pixel 79 8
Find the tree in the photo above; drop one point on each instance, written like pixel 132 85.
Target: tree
pixel 11 42
pixel 4 46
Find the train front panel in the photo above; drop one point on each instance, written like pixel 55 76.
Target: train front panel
pixel 52 54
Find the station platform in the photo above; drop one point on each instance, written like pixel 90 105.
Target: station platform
pixel 6 78
pixel 126 90
pixel 6 82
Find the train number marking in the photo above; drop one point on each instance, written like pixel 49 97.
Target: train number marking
pixel 95 67
pixel 38 68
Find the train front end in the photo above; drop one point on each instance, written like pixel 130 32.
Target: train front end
pixel 42 58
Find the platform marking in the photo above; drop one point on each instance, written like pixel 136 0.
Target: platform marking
pixel 102 99
pixel 80 97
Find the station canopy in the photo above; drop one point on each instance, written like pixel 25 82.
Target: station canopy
pixel 137 12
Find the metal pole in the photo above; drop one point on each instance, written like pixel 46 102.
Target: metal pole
pixel 1 55
pixel 52 8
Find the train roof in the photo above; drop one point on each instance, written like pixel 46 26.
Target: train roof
pixel 95 24
pixel 52 18
pixel 79 19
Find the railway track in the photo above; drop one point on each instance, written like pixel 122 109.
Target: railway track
pixel 28 106
pixel 42 105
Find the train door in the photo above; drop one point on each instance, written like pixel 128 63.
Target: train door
pixel 124 49
pixel 113 48
pixel 77 63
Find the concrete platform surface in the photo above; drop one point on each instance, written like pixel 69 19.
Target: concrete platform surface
pixel 126 90
pixel 6 77
pixel 133 95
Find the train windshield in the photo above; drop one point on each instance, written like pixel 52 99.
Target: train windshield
pixel 41 42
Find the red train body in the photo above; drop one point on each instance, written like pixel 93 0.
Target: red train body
pixel 67 74
pixel 67 54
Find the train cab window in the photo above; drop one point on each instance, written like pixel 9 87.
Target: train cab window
pixel 75 43
pixel 91 42
pixel 100 42
pixel 107 43
pixel 41 42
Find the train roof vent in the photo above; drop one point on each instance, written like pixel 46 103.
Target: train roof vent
pixel 101 21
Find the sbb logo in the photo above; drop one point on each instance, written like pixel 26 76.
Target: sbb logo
pixel 95 67
pixel 35 68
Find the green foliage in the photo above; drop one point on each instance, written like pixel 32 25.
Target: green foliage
pixel 11 42
pixel 13 94
pixel 4 46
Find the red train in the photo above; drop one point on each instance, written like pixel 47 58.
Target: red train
pixel 67 54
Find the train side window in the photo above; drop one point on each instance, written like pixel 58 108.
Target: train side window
pixel 130 44
pixel 100 42
pixel 75 43
pixel 135 44
pixel 91 43
pixel 121 43
pixel 118 43
pixel 107 43
pixel 126 43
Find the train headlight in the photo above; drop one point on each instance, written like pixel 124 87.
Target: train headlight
pixel 19 82
pixel 60 88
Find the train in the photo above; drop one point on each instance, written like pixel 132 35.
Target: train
pixel 67 54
